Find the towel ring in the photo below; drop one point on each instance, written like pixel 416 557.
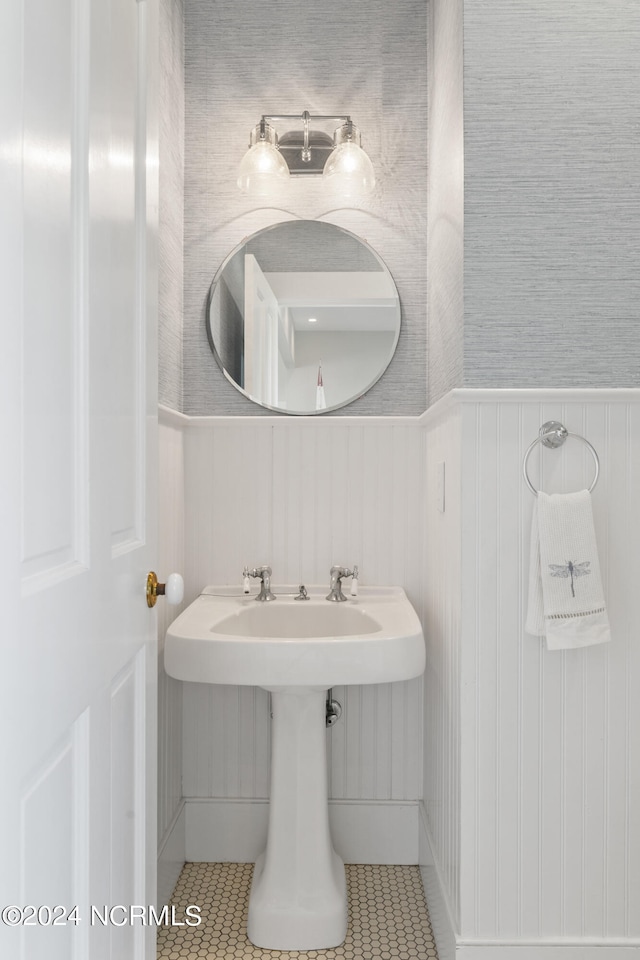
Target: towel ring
pixel 553 434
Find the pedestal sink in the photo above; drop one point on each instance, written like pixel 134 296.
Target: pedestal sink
pixel 297 650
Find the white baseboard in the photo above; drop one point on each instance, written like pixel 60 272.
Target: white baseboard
pixel 375 831
pixel 171 856
pixel 363 831
pixel 547 950
pixel 453 947
pixel 440 912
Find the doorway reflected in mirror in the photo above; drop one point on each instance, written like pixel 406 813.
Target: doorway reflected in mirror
pixel 303 317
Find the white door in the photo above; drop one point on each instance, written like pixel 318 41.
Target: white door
pixel 261 319
pixel 78 202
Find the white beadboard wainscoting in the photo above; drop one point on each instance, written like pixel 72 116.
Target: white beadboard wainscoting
pixel 171 555
pixel 519 769
pixel 540 855
pixel 440 807
pixel 301 494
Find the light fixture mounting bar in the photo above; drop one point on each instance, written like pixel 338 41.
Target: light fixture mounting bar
pixel 285 144
pixel 280 118
pixel 304 149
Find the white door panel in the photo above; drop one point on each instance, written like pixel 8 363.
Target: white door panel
pixel 53 390
pixel 261 323
pixel 78 182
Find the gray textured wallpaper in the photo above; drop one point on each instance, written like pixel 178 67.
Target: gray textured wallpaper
pixel 445 200
pixel 171 146
pixel 552 193
pixel 551 185
pixel 365 59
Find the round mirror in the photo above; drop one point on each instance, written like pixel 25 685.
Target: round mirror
pixel 303 317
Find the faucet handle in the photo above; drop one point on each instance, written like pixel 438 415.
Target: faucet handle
pixel 257 571
pixel 337 573
pixel 264 574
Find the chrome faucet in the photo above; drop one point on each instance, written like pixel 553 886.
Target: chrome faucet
pixel 337 573
pixel 264 573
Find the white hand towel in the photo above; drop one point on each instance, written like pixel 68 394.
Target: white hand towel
pixel 566 602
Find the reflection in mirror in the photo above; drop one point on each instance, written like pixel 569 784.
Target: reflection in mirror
pixel 303 317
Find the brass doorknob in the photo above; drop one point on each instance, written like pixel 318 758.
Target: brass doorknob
pixel 173 589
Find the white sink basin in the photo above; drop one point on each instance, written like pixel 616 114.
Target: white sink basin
pixel 297 649
pixel 226 637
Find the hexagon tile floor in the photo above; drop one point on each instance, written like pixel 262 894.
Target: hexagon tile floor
pixel 388 917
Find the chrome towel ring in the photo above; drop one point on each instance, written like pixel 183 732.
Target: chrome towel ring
pixel 553 434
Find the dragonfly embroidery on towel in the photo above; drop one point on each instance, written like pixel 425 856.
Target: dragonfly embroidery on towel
pixel 570 569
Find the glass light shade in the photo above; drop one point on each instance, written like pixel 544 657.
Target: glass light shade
pixel 261 169
pixel 349 171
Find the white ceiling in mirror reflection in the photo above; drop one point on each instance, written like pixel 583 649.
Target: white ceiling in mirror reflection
pixel 263 298
pixel 343 301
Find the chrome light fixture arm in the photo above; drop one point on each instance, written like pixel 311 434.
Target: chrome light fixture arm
pixel 306 151
pixel 323 118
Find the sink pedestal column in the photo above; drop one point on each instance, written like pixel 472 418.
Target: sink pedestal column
pixel 298 895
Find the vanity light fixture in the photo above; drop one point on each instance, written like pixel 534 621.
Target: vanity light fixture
pixel 302 151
